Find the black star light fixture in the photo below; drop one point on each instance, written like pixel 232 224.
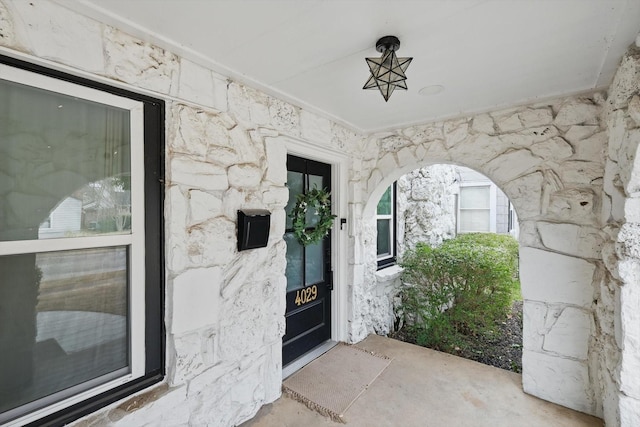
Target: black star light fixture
pixel 387 72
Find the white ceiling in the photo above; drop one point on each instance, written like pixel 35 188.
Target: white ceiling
pixel 487 54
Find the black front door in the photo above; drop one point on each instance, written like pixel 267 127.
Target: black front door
pixel 309 276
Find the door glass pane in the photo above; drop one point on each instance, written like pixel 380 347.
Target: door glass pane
pixel 294 268
pixel 65 165
pixel 315 181
pixel 314 263
pixel 295 182
pixel 66 322
pixel 384 235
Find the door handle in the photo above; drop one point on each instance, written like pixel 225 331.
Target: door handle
pixel 330 280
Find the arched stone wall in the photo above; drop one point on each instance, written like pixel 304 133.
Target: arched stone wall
pixel 548 159
pixel 618 309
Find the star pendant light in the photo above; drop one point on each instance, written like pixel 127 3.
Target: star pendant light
pixel 387 72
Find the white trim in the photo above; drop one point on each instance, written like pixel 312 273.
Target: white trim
pixel 339 238
pixel 137 251
pixel 64 244
pixel 40 81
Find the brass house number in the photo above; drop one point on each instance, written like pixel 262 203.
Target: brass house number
pixel 306 295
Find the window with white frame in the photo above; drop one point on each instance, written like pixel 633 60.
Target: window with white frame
pixel 386 224
pixel 81 308
pixel 475 208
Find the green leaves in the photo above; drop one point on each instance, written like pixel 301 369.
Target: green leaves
pixel 459 288
pixel 320 200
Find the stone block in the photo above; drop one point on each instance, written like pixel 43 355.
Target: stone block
pixel 591 148
pixel 212 243
pixel 554 278
pixel 196 299
pixel 533 135
pixel 510 123
pixel 553 149
pixel 533 325
pixel 455 132
pixel 571 239
pixel 577 112
pixel 61 35
pixel 244 176
pixel 579 132
pixel 8 35
pixel 406 157
pixel 276 152
pixel 176 214
pixel 511 164
pixel 196 84
pixel 387 164
pixel 570 333
pixel 629 411
pixel 168 408
pixel 276 196
pixel 193 353
pixel 314 127
pixel 139 63
pixel 483 123
pixel 203 206
pixel 634 109
pixel 536 117
pixel 394 143
pixel 239 104
pixel 562 381
pixel 284 117
pixel 581 172
pixel 525 193
pixel 247 151
pixel 424 133
pixel 577 205
pixel 195 174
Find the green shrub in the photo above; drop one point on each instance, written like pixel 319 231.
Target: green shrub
pixel 458 289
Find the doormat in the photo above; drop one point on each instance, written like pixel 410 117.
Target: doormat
pixel 331 383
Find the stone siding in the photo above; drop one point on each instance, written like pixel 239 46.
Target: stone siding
pixel 426 206
pixel 224 150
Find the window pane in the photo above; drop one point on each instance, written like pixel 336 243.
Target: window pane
pixel 474 220
pixel 294 268
pixel 384 205
pixel 384 237
pixel 314 261
pixel 295 182
pixel 65 323
pixel 474 198
pixel 65 165
pixel 315 181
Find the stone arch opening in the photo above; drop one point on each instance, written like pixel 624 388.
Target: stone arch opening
pixel 429 208
pixel 547 159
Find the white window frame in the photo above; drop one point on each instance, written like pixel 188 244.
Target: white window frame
pixel 386 260
pixel 135 240
pixel 492 206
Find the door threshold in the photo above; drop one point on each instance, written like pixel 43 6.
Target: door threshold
pixel 307 358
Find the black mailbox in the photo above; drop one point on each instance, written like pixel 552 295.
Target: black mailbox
pixel 253 228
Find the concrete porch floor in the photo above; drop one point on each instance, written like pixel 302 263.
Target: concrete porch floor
pixel 426 388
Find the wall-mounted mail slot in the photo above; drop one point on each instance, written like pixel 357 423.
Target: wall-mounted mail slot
pixel 253 228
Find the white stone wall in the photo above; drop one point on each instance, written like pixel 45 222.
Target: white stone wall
pixel 225 321
pixel 618 304
pixel 548 159
pixel 224 309
pixel 426 206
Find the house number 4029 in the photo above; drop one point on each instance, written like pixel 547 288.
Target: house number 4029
pixel 306 295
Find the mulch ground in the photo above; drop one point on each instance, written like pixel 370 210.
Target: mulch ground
pixel 501 346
